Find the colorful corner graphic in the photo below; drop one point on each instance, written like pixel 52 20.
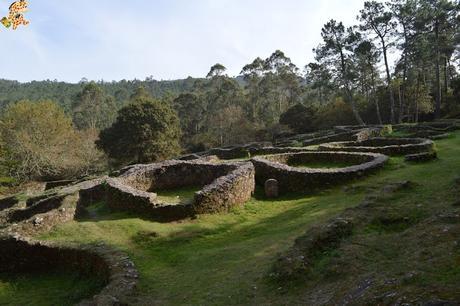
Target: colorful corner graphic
pixel 15 17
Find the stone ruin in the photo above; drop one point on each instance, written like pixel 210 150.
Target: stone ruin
pixel 223 186
pixel 294 179
pixel 116 271
pixel 387 146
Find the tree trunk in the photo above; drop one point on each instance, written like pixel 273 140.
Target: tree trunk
pixel 438 73
pixel 390 89
pixel 417 95
pixel 403 85
pixel 400 104
pixel 351 100
pixel 358 117
pixel 376 102
pixel 446 76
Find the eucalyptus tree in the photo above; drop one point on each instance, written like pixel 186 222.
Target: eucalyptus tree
pixel 335 53
pixel 319 79
pixel 376 19
pixel 252 75
pixel 366 60
pixel 92 108
pixel 405 14
pixel 287 77
pixel 440 22
pixel 221 92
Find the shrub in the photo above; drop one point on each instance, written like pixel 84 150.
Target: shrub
pixel 39 143
pixel 145 131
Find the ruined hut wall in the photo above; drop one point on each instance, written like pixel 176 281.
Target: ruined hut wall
pixel 291 179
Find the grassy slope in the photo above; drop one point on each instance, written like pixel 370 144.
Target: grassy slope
pixel 225 259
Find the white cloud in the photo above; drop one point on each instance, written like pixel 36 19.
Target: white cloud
pixel 171 39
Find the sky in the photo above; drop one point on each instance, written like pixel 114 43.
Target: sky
pixel 110 40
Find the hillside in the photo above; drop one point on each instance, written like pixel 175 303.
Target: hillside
pixel 63 93
pixel 402 247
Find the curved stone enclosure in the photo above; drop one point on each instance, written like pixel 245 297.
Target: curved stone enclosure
pixel 293 179
pixel 19 255
pixel 223 186
pixel 387 146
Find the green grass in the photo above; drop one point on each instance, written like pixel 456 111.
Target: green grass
pixel 226 259
pixel 323 165
pixel 50 288
pixel 177 196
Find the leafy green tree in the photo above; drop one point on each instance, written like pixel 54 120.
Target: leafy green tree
pixel 440 19
pixel 191 110
pixel 252 74
pixel 377 19
pixel 366 60
pixel 335 53
pixel 216 71
pixel 92 108
pixel 39 143
pixel 299 118
pixel 146 130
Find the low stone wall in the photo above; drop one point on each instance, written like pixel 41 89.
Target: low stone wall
pixel 121 197
pixel 46 211
pixel 114 268
pixel 387 146
pixel 292 179
pixel 8 202
pixel 223 186
pixel 233 189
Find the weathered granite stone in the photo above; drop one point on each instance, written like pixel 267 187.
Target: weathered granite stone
pixel 118 273
pixel 223 187
pixel 293 179
pixel 55 184
pixel 387 146
pixel 271 189
pixel 421 157
pixel 8 202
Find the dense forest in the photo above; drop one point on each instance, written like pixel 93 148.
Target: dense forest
pixel 398 64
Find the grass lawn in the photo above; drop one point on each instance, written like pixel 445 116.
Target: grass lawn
pixel 177 196
pixel 226 259
pixel 44 289
pixel 323 165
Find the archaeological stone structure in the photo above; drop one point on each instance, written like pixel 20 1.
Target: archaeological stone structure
pixel 295 179
pixel 222 187
pixel 116 272
pixel 387 146
pixel 347 153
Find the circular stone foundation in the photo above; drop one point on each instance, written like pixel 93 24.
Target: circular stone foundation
pixel 387 146
pixel 19 255
pixel 296 179
pixel 222 186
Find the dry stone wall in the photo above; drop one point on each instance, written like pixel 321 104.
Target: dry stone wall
pixel 223 186
pixel 118 273
pixel 292 179
pixel 387 146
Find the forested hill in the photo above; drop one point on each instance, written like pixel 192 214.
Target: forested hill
pixel 63 93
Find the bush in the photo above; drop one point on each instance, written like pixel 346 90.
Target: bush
pixel 39 143
pixel 335 114
pixel 145 131
pixel 299 118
